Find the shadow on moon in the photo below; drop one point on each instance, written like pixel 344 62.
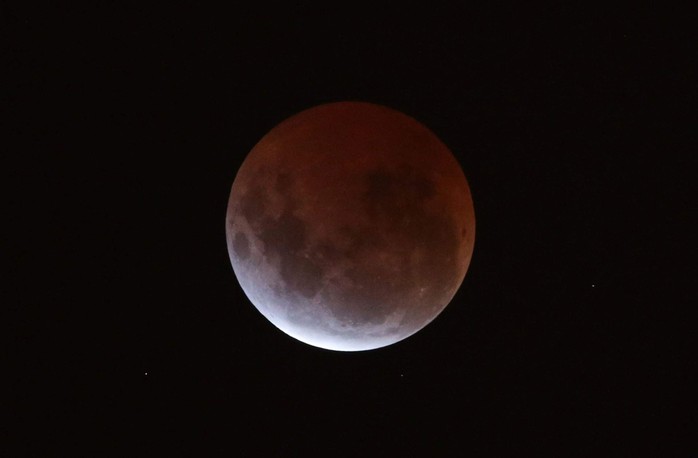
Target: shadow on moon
pixel 363 260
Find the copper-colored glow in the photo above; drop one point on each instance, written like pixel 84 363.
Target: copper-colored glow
pixel 350 226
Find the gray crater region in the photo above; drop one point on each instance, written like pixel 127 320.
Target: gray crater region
pixel 350 226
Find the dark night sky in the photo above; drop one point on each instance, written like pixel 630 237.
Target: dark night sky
pixel 570 330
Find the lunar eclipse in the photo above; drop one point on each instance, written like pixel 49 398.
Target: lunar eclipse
pixel 350 226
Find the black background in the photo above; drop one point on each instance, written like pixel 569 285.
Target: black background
pixel 132 335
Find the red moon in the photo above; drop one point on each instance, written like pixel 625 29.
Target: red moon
pixel 350 226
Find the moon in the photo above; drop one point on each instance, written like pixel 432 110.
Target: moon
pixel 350 226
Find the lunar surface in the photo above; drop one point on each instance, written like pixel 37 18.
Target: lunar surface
pixel 350 226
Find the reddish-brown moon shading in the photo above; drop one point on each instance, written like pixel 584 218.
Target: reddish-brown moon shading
pixel 350 226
